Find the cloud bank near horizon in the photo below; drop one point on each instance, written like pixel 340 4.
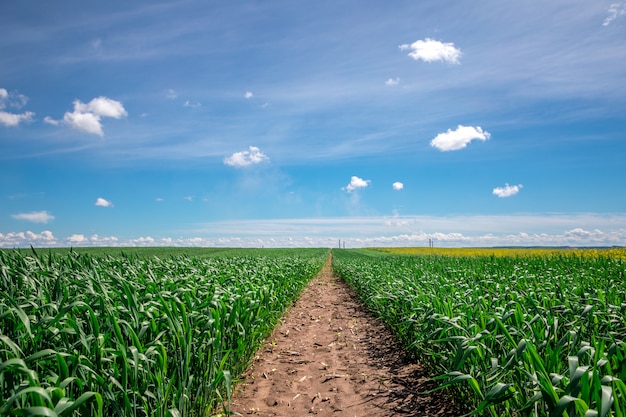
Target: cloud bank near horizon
pixel 461 231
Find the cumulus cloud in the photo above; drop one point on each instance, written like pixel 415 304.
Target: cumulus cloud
pixel 101 106
pixel 12 99
pixel 429 50
pixel 615 10
pixel 507 190
pixel 453 140
pixel 17 101
pixel 12 119
pixel 397 186
pixel 86 116
pixel 446 231
pixel 76 239
pixel 356 183
pixel 94 240
pixel 21 239
pixel 101 202
pixel 245 158
pixel 248 94
pixel 86 122
pixel 35 216
pixel 192 104
pixel 392 81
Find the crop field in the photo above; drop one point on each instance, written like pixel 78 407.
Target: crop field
pixel 510 252
pixel 141 333
pixel 167 331
pixel 541 334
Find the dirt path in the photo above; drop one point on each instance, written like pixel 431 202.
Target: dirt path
pixel 331 357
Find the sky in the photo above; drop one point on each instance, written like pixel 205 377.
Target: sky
pixel 305 124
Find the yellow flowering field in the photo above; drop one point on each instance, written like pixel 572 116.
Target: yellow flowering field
pixel 504 252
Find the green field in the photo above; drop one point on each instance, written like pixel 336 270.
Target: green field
pixel 166 331
pixel 512 335
pixel 150 332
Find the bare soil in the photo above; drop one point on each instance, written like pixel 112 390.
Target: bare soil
pixel 331 357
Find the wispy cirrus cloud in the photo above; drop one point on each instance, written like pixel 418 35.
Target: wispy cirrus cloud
pixel 615 10
pixel 242 159
pixel 430 50
pixel 507 190
pixel 35 216
pixel 453 140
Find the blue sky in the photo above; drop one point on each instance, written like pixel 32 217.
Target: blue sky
pixel 283 123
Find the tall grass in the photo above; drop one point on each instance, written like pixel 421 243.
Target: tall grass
pixel 131 336
pixel 535 335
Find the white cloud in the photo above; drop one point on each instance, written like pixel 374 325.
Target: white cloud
pixel 397 186
pixel 101 106
pixel 14 100
pixel 246 158
pixel 158 199
pixel 94 240
pixel 392 81
pixel 22 239
pixel 192 104
pixel 143 241
pixel 356 183
pixel 35 216
pixel 86 122
pixel 86 116
pixel 51 121
pixel 171 94
pixel 249 94
pixel 430 50
pixel 507 190
pixel 76 239
pixel 101 202
pixel 12 120
pixel 583 229
pixel 615 10
pixel 453 140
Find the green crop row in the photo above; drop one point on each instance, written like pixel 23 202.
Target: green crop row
pixel 137 336
pixel 540 336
